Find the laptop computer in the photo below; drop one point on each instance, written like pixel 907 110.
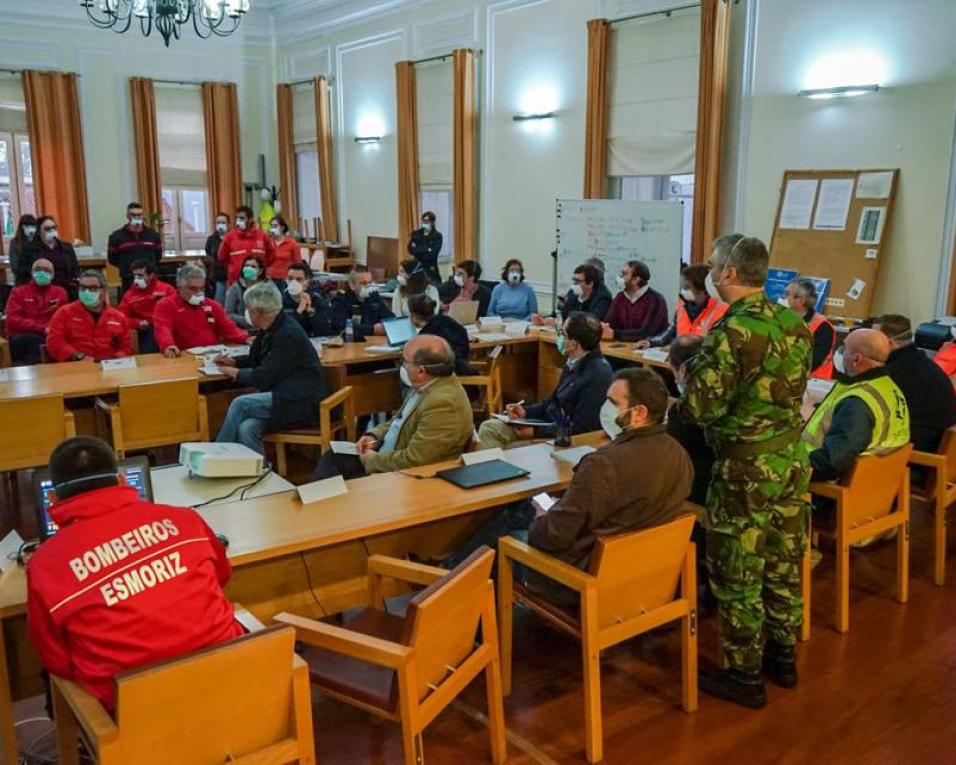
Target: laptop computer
pixel 398 331
pixel 464 313
pixel 135 470
pixel 482 474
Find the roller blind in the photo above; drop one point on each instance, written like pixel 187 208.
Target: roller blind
pixel 13 107
pixel 436 130
pixel 304 131
pixel 652 121
pixel 182 141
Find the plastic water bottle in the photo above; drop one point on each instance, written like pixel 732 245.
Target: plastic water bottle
pixel 558 321
pixel 349 331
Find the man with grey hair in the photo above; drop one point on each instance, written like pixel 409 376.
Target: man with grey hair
pixel 282 364
pixel 434 423
pixel 801 298
pixel 89 327
pixel 188 320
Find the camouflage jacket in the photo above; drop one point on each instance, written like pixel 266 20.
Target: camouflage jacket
pixel 746 384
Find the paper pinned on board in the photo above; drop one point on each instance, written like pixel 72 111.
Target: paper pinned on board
pixel 856 289
pixel 870 230
pixel 874 185
pixel 833 207
pixel 870 253
pixel 797 205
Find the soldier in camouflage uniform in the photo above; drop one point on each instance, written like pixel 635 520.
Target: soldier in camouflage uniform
pixel 744 388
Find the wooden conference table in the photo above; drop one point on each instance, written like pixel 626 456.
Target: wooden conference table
pixel 308 559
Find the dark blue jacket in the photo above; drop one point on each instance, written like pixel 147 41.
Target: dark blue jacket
pixel 371 311
pixel 318 323
pixel 283 361
pixel 579 395
pixel 425 248
pixel 598 304
pixel 456 336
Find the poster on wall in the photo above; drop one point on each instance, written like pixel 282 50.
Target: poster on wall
pixel 833 206
pixel 798 202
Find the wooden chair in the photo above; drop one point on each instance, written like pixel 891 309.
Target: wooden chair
pixel 153 414
pixel 874 498
pixel 6 358
pixel 488 383
pixel 410 668
pixel 244 701
pixel 939 491
pixel 628 589
pixel 321 436
pixel 36 426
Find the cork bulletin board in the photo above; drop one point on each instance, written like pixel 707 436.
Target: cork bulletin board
pixel 834 224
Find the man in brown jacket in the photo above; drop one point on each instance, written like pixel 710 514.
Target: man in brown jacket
pixel 639 480
pixel 434 423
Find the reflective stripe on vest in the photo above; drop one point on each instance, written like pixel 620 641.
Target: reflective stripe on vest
pixel 885 402
pixel 825 370
pixel 704 321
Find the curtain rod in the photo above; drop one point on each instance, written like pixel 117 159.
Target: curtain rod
pixel 664 12
pixel 442 57
pixel 307 81
pixel 186 82
pixel 41 71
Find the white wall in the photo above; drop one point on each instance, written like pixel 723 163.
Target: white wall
pixel 56 35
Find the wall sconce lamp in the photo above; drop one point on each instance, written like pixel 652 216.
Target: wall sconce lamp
pixel 842 91
pixel 530 117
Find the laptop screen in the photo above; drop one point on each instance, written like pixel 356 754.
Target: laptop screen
pixel 136 472
pixel 399 331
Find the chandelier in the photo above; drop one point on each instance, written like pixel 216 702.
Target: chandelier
pixel 208 17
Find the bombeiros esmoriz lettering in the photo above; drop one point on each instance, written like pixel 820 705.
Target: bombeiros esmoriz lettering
pixel 119 548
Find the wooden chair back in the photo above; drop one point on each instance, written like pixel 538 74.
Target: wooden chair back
pixel 442 620
pixel 216 705
pixel 160 413
pixel 947 447
pixel 335 376
pixel 873 485
pixel 36 426
pixel 639 571
pixel 6 358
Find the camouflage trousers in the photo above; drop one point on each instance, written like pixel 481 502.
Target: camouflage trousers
pixel 756 525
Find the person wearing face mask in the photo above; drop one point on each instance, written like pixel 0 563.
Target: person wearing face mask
pixel 421 312
pixel 800 297
pixel 424 246
pixel 188 320
pixel 252 272
pixel 306 306
pixel 864 413
pixel 637 311
pixel 24 238
pixel 639 480
pixel 745 388
pixel 696 311
pixel 513 298
pixel 360 302
pixel 139 302
pixel 588 293
pixel 50 247
pixel 412 280
pixel 286 251
pixel 89 327
pixel 133 242
pixel 284 367
pixel 577 398
pixel 434 423
pixel 29 310
pixel 245 241
pixel 215 269
pixel 465 287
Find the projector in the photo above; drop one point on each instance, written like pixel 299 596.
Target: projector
pixel 212 460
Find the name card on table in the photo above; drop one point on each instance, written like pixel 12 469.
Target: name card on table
pixel 655 354
pixel 317 491
pixel 109 365
pixel 4 376
pixel 485 455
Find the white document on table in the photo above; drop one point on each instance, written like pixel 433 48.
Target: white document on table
pixel 344 447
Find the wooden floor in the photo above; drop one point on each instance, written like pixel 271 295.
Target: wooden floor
pixel 884 693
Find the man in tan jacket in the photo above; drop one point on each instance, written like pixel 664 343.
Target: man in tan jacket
pixel 434 424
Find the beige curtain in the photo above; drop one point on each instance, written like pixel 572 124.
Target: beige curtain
pixel 595 137
pixel 149 184
pixel 287 170
pixel 323 128
pixel 56 149
pixel 464 182
pixel 408 212
pixel 220 107
pixel 714 40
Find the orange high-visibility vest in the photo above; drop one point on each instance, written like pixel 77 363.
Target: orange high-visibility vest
pixel 712 313
pixel 825 370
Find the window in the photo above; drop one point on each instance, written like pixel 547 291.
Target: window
pixel 439 201
pixel 435 109
pixel 308 189
pixel 186 213
pixel 648 188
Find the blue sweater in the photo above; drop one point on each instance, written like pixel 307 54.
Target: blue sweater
pixel 513 302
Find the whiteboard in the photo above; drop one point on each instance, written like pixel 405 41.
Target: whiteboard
pixel 617 231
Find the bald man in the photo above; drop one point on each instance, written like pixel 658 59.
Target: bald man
pixel 434 423
pixel 865 413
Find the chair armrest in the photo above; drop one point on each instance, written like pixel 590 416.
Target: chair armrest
pixel 927 459
pixel 247 619
pixel 405 570
pixel 95 721
pixel 346 642
pixel 830 490
pixel 474 380
pixel 559 571
pixel 340 396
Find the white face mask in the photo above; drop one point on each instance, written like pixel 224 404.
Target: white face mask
pixel 838 363
pixel 620 281
pixel 403 280
pixel 294 288
pixel 248 317
pixel 783 301
pixel 681 385
pixel 141 282
pixel 952 332
pixel 50 236
pixel 608 419
pixel 459 280
pixel 222 228
pixel 367 291
pixel 427 227
pixel 514 277
pixel 688 295
pixel 577 289
pixel 196 299
pixel 29 231
pixel 241 224
pixel 136 222
pixel 276 231
pixel 403 374
pixel 711 287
